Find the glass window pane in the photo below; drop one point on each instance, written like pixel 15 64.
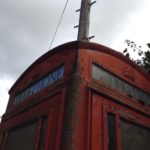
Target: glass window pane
pixel 38 87
pixel 31 90
pixel 22 138
pixel 15 101
pixel 51 78
pixel 115 82
pixel 111 132
pixel 61 72
pixel 21 96
pixel 19 99
pixel 46 82
pixel 25 93
pixel 42 83
pixel 134 137
pixel 54 76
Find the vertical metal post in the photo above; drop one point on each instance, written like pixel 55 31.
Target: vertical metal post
pixel 83 31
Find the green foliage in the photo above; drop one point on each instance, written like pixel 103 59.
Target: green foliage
pixel 144 60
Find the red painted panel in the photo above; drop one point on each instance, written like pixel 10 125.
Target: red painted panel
pixel 97 140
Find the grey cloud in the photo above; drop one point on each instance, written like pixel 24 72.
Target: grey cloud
pixel 110 17
pixel 26 27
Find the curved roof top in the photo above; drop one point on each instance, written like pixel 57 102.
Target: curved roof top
pixel 81 45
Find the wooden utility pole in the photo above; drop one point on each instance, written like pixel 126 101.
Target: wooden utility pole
pixel 84 22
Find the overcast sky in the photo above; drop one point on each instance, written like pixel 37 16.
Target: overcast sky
pixel 27 27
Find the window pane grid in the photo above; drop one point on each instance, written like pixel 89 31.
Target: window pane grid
pixel 46 81
pixel 115 82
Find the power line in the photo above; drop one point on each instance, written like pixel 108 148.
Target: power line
pixel 58 24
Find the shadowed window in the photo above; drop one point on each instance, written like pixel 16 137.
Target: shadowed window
pixel 134 137
pixel 22 138
pixel 111 132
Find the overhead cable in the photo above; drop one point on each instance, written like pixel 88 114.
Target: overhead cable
pixel 58 24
